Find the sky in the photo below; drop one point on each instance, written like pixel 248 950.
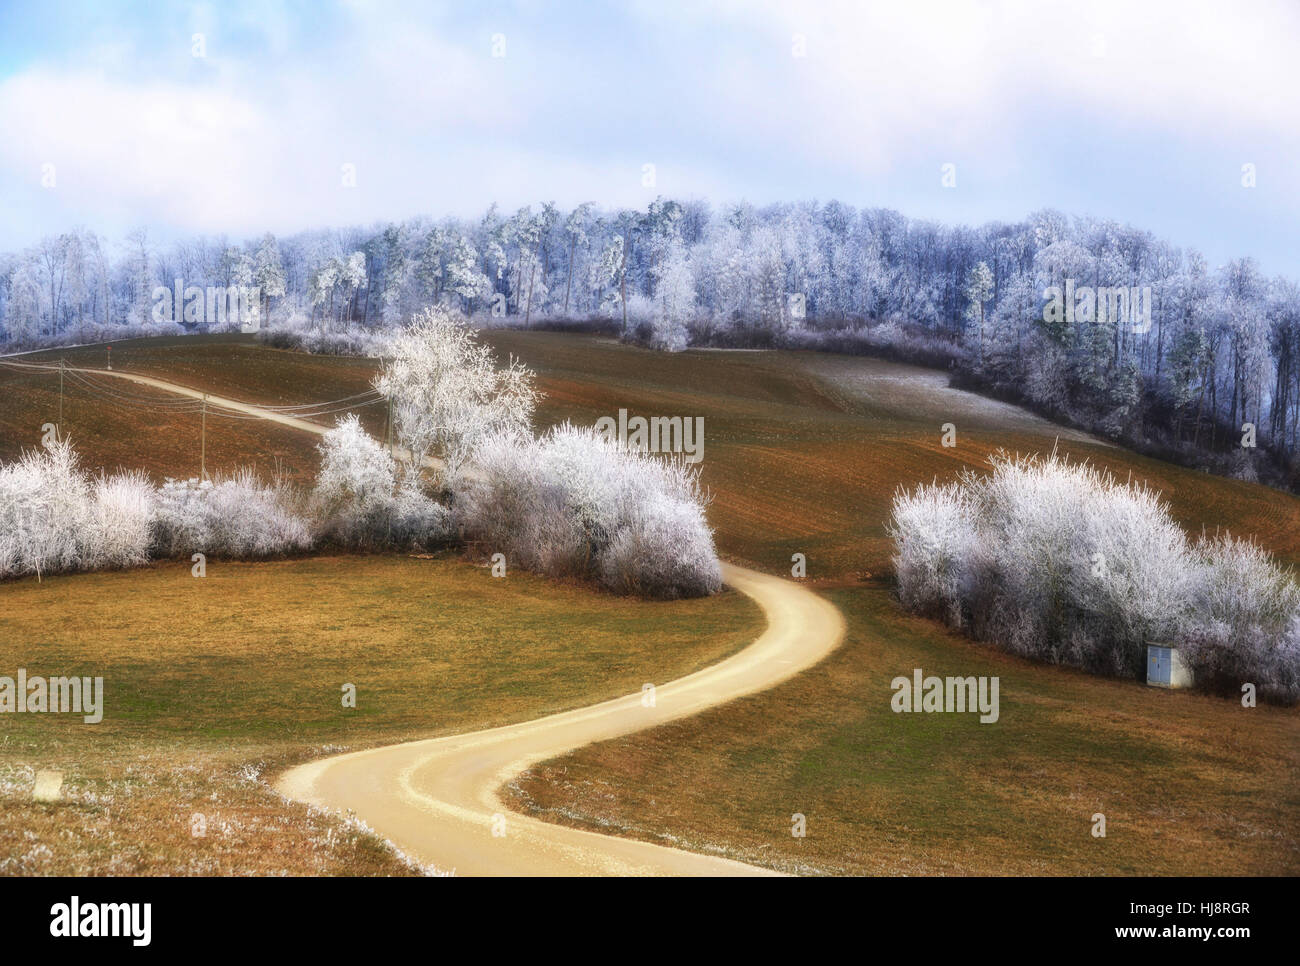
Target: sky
pixel 240 118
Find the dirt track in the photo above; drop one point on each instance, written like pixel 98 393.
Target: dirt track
pixel 437 799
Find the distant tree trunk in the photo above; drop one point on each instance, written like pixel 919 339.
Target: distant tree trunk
pixel 1214 411
pixel 532 277
pixel 622 290
pixel 1200 407
pixel 568 287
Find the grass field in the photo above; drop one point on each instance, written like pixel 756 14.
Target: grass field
pixel 802 454
pixel 1189 784
pixel 108 430
pixel 803 451
pixel 212 683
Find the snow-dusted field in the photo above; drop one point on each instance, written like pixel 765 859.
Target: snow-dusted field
pixel 915 393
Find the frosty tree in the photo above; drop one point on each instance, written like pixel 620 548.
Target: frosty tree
pixel 448 394
pixel 268 272
pixel 979 289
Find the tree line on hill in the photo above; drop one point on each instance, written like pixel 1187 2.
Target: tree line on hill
pixel 1091 321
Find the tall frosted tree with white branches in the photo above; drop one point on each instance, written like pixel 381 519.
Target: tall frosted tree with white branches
pixel 268 272
pixel 979 289
pixel 448 394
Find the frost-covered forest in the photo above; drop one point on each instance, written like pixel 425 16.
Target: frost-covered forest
pixel 1220 350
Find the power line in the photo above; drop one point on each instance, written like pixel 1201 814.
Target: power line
pixel 103 391
pixel 95 385
pixel 228 413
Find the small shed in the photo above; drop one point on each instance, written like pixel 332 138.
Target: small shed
pixel 1166 667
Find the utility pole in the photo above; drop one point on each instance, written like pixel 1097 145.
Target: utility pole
pixel 203 458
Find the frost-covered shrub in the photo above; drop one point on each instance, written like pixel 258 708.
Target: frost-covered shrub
pixel 934 530
pixel 1248 619
pixel 356 471
pixel 360 501
pixel 888 340
pixel 304 336
pixel 1061 562
pixel 664 549
pixel 415 518
pixel 234 516
pixel 54 519
pixel 44 512
pixel 1075 567
pixel 572 503
pixel 121 514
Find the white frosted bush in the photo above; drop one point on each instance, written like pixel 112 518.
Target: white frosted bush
pixel 665 550
pixel 302 334
pixel 356 470
pixel 53 519
pixel 44 512
pixel 235 516
pixel 1062 562
pixel 1076 567
pixel 1248 619
pixel 935 531
pixel 360 500
pixel 121 511
pixel 573 503
pixel 415 518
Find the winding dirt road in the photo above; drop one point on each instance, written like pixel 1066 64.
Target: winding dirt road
pixel 438 799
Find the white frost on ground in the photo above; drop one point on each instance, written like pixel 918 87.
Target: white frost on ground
pixel 914 393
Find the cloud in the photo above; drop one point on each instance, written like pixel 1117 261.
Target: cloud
pixel 253 136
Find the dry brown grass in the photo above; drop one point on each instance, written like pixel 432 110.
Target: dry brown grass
pixel 211 684
pixel 803 453
pixel 1189 784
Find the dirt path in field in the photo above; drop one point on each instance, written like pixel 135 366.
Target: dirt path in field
pixel 213 400
pixel 438 799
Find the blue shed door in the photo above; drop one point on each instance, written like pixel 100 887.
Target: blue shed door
pixel 1159 665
